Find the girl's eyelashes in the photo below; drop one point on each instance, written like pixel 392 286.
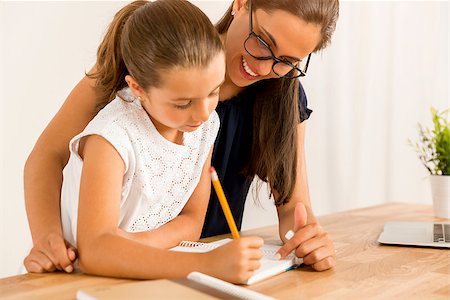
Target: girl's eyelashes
pixel 184 106
pixel 188 104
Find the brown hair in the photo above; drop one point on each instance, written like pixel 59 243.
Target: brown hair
pixel 145 38
pixel 276 113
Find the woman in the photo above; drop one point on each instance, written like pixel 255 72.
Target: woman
pixel 262 105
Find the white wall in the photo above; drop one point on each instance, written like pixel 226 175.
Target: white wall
pixel 388 63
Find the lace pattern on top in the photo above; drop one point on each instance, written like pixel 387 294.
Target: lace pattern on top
pixel 160 176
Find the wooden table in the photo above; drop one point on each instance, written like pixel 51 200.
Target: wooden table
pixel 364 270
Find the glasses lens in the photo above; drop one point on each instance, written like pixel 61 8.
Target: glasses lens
pixel 257 48
pixel 282 69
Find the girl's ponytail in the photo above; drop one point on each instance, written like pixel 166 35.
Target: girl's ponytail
pixel 146 38
pixel 110 69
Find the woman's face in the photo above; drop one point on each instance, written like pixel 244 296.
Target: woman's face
pixel 288 36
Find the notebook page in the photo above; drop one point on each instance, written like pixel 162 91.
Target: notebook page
pixel 269 266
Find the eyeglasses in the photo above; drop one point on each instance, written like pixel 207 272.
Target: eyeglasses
pixel 259 49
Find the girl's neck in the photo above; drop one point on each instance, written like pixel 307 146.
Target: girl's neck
pixel 172 135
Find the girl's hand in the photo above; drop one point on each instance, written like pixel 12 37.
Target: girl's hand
pixel 51 254
pixel 310 242
pixel 237 260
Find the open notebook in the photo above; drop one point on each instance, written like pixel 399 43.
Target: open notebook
pixel 269 266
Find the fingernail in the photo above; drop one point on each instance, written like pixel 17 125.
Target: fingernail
pixel 68 269
pixel 277 256
pixel 289 235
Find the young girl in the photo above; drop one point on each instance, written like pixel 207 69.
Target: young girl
pixel 262 109
pixel 137 180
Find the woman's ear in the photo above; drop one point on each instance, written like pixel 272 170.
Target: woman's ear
pixel 134 86
pixel 238 5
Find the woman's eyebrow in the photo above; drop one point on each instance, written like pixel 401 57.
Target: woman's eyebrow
pixel 274 42
pixel 272 39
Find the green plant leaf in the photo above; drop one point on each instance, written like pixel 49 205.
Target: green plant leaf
pixel 433 146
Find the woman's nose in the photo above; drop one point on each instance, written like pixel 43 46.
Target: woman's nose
pixel 264 67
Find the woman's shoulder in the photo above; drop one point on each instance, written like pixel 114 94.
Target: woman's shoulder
pixel 304 110
pixel 238 105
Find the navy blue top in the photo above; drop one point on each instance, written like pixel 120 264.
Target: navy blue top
pixel 231 152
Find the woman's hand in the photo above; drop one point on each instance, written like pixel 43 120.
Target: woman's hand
pixel 237 260
pixel 310 242
pixel 50 254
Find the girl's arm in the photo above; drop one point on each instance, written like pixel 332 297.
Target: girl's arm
pixel 43 179
pixel 105 251
pixel 311 241
pixel 188 224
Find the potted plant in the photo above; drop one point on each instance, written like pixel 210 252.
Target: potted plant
pixel 433 149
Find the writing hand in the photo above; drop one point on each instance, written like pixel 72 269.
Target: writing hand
pixel 237 260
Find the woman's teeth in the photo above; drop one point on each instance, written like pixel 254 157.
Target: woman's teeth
pixel 247 68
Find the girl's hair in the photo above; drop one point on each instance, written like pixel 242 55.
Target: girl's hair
pixel 146 38
pixel 276 113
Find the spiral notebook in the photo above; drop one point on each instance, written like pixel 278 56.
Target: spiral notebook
pixel 269 266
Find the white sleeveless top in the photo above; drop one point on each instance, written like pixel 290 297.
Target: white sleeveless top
pixel 160 176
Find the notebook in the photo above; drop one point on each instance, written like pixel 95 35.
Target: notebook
pixel 426 234
pixel 269 266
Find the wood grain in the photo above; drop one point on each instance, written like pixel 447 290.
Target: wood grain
pixel 364 269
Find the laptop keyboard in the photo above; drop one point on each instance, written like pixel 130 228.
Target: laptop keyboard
pixel 441 233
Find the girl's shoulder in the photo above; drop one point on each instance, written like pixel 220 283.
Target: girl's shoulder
pixel 213 122
pixel 205 134
pixel 119 113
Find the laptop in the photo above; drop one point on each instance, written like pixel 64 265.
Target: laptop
pixel 426 234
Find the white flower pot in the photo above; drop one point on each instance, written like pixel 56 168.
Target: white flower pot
pixel 440 185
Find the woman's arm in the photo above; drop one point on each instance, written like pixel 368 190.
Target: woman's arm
pixel 311 241
pixel 104 251
pixel 188 224
pixel 43 179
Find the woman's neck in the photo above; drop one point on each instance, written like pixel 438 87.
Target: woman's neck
pixel 228 89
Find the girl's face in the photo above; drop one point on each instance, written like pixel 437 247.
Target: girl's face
pixel 186 97
pixel 289 37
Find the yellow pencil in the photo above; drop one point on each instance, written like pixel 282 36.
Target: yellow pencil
pixel 224 203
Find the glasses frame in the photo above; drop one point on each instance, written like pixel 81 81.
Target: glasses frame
pixel 275 59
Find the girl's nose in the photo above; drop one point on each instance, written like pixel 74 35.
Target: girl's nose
pixel 201 113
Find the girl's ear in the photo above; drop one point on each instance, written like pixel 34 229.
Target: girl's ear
pixel 134 86
pixel 239 4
